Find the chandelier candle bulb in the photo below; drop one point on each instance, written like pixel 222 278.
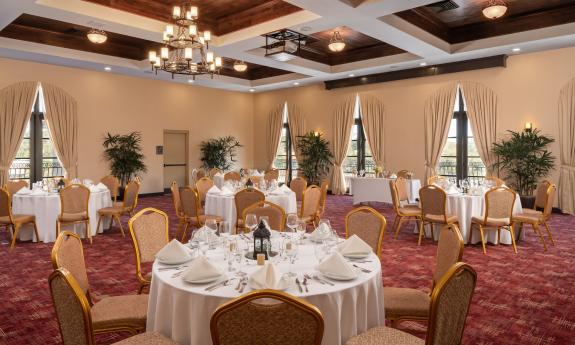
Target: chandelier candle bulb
pixel 165 53
pixel 193 30
pixel 207 35
pixel 158 62
pixel 194 11
pixel 152 56
pixel 177 12
pixel 212 67
pixel 170 30
pixel 209 57
pixel 218 61
pixel 188 53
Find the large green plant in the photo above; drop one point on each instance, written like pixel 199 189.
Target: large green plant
pixel 219 153
pixel 315 157
pixel 124 153
pixel 524 159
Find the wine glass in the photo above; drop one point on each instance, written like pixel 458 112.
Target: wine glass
pixel 290 250
pixel 240 251
pixel 225 230
pixel 251 221
pixel 301 229
pixel 292 221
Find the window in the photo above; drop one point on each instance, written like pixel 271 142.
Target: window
pixel 285 160
pixel 36 158
pixel 460 158
pixel 359 155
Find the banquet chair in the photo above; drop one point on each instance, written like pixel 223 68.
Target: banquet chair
pixel 75 316
pixel 399 198
pixel 298 185
pixel 368 224
pixel 498 215
pixel 323 200
pixel 113 185
pixel 435 179
pixel 256 179
pixel 450 303
pixel 412 304
pixel 536 218
pixel 275 213
pixel 14 221
pixel 126 207
pixel 74 201
pixel 495 181
pixel 310 205
pixel 262 316
pixel 402 173
pixel 433 209
pixel 110 314
pixel 15 185
pixel 243 199
pixel 193 214
pixel 203 185
pixel 232 176
pixel 541 196
pixel 200 173
pixel 213 171
pixel 270 175
pixel 149 232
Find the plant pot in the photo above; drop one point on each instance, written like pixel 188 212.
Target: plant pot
pixel 120 196
pixel 527 201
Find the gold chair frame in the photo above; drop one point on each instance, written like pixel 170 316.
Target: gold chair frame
pixel 86 221
pixel 424 222
pixel 116 182
pixel 400 216
pixel 125 210
pixel 543 218
pixel 402 173
pixel 498 182
pixel 268 204
pixel 239 213
pixel 15 228
pixel 232 176
pixel 187 220
pixel 382 228
pixel 203 194
pixel 313 216
pixel 434 179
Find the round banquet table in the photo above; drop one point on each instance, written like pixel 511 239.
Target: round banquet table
pixel 182 311
pixel 465 206
pixel 225 206
pixel 46 208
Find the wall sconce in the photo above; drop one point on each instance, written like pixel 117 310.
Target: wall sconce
pixel 528 126
pixel 316 133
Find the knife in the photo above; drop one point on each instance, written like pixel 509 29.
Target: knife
pixel 364 270
pixel 210 288
pixel 299 285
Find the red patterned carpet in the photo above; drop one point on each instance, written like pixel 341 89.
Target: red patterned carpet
pixel 520 299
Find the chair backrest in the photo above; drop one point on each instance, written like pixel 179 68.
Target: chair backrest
pixel 541 194
pixel 449 250
pixel 245 198
pixel 5 204
pixel 74 199
pixel 401 184
pixel 402 173
pixel 495 181
pixel 275 213
pixel 203 185
pixel 433 201
pixel 450 302
pixel 256 179
pixel 68 253
pixel 15 185
pixel 298 185
pixel 176 198
pixel 113 185
pixel 322 201
pixel 200 173
pixel 368 224
pixel 394 195
pixel 273 174
pixel 261 317
pixel 72 309
pixel 435 179
pixel 190 201
pixel 213 172
pixel 149 230
pixel 310 201
pixel 549 201
pixel 232 176
pixel 131 195
pixel 499 203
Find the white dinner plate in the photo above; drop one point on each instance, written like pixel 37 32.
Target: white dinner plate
pixel 317 240
pixel 219 278
pixel 357 256
pixel 175 262
pixel 340 278
pixel 284 284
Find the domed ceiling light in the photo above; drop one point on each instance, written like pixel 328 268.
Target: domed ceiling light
pixel 336 43
pixel 495 9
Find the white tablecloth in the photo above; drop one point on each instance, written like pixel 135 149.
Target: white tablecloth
pixel 182 311
pixel 467 206
pixel 219 180
pixel 377 189
pixel 47 208
pixel 225 207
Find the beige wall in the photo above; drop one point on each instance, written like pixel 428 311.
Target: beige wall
pixel 528 90
pixel 119 104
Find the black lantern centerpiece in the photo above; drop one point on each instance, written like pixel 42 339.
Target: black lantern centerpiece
pixel 249 183
pixel 262 240
pixel 61 184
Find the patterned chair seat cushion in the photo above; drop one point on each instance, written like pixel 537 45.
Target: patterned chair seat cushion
pixel 531 211
pixel 406 302
pixel 410 211
pixel 127 311
pixel 527 218
pixel 73 217
pixel 111 210
pixel 385 336
pixel 491 221
pixel 147 339
pixel 434 218
pixel 18 219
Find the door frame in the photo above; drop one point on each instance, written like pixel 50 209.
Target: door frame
pixel 187 133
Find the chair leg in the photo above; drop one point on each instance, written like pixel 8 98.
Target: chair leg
pixel 58 228
pixel 394 226
pixel 512 230
pixel 398 226
pixel 184 232
pixel 549 232
pixel 88 231
pixel 15 236
pixel 498 235
pixel 98 223
pixel 179 229
pixel 470 235
pixel 36 231
pixel 421 230
pixel 482 239
pixel 120 224
pixel 538 232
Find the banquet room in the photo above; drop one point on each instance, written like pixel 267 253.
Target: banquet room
pixel 287 172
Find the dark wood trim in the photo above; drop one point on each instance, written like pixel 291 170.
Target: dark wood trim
pixel 428 71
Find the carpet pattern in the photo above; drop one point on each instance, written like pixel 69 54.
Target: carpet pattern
pixel 519 299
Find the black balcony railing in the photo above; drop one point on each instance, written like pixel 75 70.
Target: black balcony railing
pixel 21 169
pixel 448 167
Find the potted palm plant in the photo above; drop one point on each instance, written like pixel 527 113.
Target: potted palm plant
pixel 124 154
pixel 523 159
pixel 316 158
pixel 219 153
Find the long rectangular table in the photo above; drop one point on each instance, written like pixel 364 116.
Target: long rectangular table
pixel 366 189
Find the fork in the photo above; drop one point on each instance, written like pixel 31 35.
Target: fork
pixel 240 284
pixel 244 283
pixel 364 270
pixel 305 283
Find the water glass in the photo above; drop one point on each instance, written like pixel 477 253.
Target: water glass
pixel 290 250
pixel 292 221
pixel 251 221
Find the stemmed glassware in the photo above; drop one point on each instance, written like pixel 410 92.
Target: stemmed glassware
pixel 301 229
pixel 292 222
pixel 290 249
pixel 212 227
pixel 251 221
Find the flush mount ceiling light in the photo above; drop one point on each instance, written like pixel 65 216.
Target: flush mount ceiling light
pixel 240 66
pixel 97 36
pixel 495 9
pixel 336 43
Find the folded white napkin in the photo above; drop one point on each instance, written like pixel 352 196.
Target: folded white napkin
pixel 393 176
pixel 285 188
pixel 226 191
pixel 267 277
pixel 336 265
pixel 452 190
pixel 204 233
pixel 354 246
pixel 322 232
pixel 214 190
pixel 277 191
pixel 24 191
pixel 101 186
pixel 201 269
pixel 174 251
pixel 38 192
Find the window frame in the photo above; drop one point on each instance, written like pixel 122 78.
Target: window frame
pixel 361 144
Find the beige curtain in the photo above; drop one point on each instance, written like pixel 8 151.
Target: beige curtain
pixel 16 102
pixel 342 123
pixel 62 118
pixel 275 122
pixel 438 113
pixel 373 118
pixel 296 120
pixel 482 112
pixel 566 187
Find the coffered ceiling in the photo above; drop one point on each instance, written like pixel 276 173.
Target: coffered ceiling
pixel 380 35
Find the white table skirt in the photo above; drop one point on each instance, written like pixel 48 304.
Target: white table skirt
pixel 366 189
pixel 182 311
pixel 46 208
pixel 225 206
pixel 219 180
pixel 467 206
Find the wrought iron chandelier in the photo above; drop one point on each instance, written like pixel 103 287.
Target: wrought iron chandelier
pixel 185 49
